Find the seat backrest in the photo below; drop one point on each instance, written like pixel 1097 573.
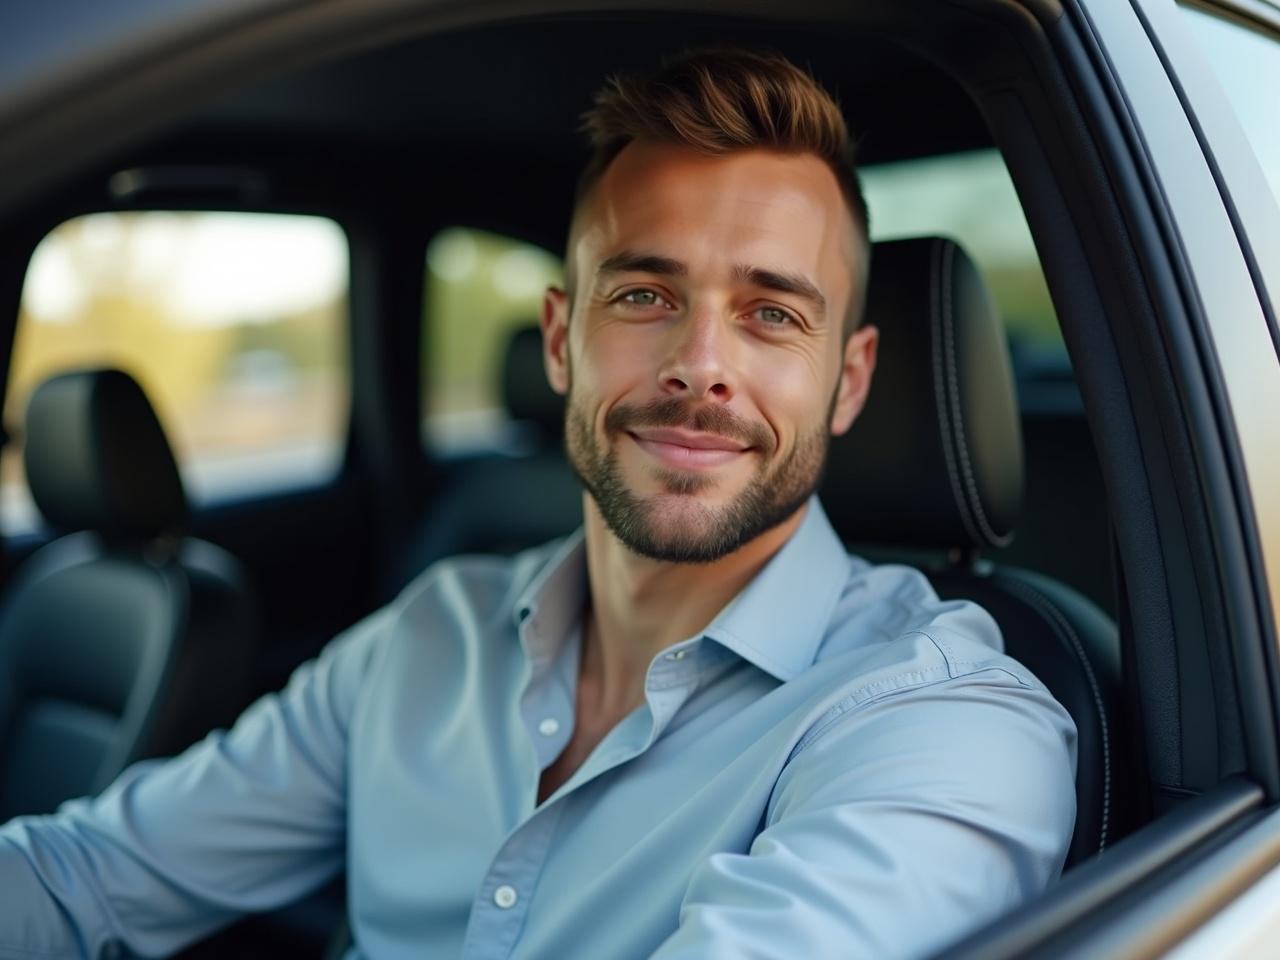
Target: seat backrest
pixel 935 463
pixel 121 639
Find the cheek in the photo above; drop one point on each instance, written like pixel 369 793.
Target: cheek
pixel 792 393
pixel 611 361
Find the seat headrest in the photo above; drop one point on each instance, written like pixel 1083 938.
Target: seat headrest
pixel 935 458
pixel 97 458
pixel 525 391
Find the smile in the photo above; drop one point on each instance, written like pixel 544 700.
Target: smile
pixel 686 450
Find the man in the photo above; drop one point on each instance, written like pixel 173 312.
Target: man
pixel 698 727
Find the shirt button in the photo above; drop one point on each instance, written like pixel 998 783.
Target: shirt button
pixel 505 897
pixel 549 727
pixel 678 654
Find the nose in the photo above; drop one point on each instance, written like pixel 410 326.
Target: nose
pixel 697 364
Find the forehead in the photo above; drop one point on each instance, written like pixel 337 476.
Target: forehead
pixel 754 207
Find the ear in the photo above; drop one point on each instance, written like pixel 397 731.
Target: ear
pixel 555 338
pixel 855 378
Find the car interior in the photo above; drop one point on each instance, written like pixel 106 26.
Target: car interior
pixel 144 605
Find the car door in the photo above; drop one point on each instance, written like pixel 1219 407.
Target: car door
pixel 1200 198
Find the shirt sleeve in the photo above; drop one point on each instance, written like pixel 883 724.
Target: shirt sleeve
pixel 901 824
pixel 245 820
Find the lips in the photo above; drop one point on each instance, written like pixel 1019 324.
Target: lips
pixel 688 449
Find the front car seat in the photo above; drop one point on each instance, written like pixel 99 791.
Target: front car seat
pixel 934 465
pixel 122 639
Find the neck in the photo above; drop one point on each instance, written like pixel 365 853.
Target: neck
pixel 641 606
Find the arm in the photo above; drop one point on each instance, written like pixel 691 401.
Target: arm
pixel 899 825
pixel 245 820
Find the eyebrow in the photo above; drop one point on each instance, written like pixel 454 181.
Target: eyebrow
pixel 629 261
pixel 783 282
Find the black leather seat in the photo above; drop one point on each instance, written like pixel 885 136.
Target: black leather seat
pixel 934 463
pixel 931 473
pixel 122 639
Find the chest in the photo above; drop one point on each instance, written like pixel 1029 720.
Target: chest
pixel 589 730
pixel 444 811
pixel 447 863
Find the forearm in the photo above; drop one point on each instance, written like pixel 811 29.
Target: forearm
pixel 49 910
pixel 148 866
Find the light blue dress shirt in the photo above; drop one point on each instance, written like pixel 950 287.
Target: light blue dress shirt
pixel 841 765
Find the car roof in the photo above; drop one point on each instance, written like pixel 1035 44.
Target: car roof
pixel 506 93
pixel 522 86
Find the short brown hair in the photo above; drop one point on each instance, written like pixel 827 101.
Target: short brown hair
pixel 719 101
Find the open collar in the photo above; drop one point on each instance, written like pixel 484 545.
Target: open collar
pixel 779 619
pixel 776 622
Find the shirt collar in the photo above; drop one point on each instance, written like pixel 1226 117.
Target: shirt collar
pixel 777 621
pixel 549 608
pixel 780 618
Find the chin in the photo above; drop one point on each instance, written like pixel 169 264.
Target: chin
pixel 679 528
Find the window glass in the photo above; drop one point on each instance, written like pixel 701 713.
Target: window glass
pixel 479 288
pixel 970 198
pixel 232 323
pixel 1247 64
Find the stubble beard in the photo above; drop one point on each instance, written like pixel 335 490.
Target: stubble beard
pixel 672 525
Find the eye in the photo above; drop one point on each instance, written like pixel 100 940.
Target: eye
pixel 774 316
pixel 643 298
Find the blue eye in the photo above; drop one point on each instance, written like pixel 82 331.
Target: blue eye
pixel 641 298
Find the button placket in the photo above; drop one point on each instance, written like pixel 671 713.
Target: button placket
pixel 497 914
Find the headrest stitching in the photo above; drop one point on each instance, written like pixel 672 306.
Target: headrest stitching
pixel 940 394
pixel 953 381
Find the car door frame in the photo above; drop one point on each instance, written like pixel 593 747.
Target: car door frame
pixel 1186 878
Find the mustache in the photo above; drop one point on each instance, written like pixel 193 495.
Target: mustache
pixel 677 412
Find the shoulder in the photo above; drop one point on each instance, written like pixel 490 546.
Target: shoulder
pixel 920 699
pixel 896 657
pixel 889 619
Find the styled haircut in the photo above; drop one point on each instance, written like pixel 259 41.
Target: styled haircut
pixel 720 101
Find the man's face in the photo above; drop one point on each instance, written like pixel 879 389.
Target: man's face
pixel 704 361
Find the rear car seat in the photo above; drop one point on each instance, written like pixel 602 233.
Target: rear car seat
pixel 503 504
pixel 122 639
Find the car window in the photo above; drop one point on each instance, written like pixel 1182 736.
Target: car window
pixel 232 323
pixel 970 198
pixel 479 287
pixel 1247 64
